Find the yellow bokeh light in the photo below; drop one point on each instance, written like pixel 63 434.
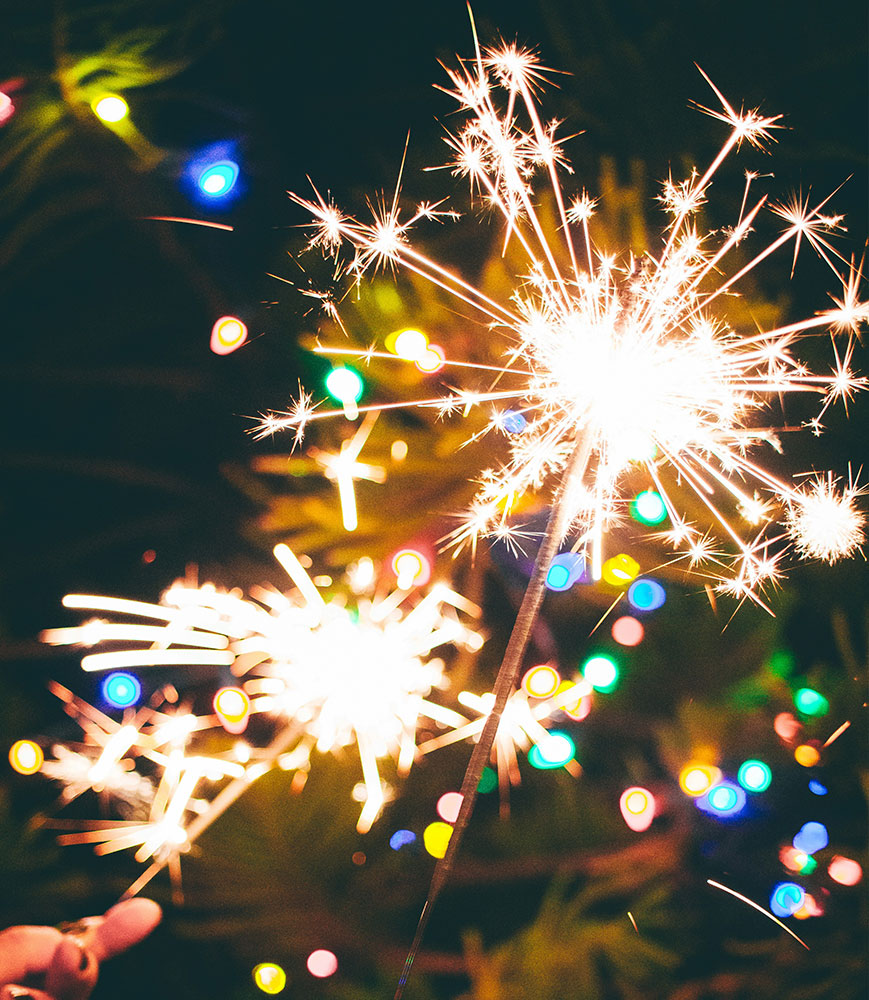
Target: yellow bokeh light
pixel 541 681
pixel 25 756
pixel 231 703
pixel 410 568
pixel 436 838
pixel 695 779
pixel 270 978
pixel 806 755
pixel 110 108
pixel 410 345
pixel 636 803
pixel 398 451
pixel 619 570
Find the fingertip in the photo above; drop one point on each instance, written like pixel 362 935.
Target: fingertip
pixel 124 925
pixel 72 973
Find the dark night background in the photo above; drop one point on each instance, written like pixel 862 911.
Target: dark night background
pixel 119 424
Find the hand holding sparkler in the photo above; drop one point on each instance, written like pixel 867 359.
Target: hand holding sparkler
pixel 66 962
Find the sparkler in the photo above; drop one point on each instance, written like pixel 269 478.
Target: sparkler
pixel 331 672
pixel 522 726
pixel 617 363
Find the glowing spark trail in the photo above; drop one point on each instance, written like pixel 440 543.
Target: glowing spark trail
pixel 355 670
pixel 610 358
pixel 759 909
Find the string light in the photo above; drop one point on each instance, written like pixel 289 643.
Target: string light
pixel 25 756
pixel 436 838
pixel 227 335
pixel 646 595
pixel 121 690
pixel 754 776
pixel 322 963
pixel 786 899
pixel 648 507
pixel 811 702
pixel 270 978
pixel 110 108
pixel 553 750
pixel 602 672
pixel 637 807
pixel 217 179
pixel 696 779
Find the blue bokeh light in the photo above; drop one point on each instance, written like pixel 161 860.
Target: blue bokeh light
pixel 646 595
pixel 723 800
pixel 218 179
pixel 402 838
pixel 213 176
pixel 786 899
pixel 513 422
pixel 121 690
pixel 564 570
pixel 811 838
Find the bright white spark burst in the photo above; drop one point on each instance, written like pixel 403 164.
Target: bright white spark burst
pixel 332 672
pixel 620 358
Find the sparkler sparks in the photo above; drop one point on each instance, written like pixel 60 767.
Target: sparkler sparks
pixel 635 356
pixel 617 363
pixel 353 670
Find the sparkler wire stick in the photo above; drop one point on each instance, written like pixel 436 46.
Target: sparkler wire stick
pixel 508 673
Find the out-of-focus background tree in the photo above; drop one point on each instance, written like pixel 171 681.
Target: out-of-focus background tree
pixel 125 459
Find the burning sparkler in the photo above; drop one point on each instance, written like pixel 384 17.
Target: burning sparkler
pixel 616 363
pixel 332 673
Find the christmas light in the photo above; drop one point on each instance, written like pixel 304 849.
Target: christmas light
pixel 217 179
pixel 602 672
pixel 845 871
pixel 322 963
pixel 227 335
pixel 448 806
pixel 723 800
pixel 754 776
pixel 806 755
pixel 627 631
pixel 121 690
pixel 553 750
pixel 564 570
pixel 786 899
pixel 345 385
pixel 811 702
pixel 436 837
pixel 110 108
pixel 402 838
pixel 270 978
pixel 620 569
pixel 541 681
pixel 812 838
pixel 696 779
pixel 25 756
pixel 648 507
pixel 637 807
pixel 646 595
pixel 232 706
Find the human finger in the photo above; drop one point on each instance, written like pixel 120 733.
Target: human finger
pixel 72 973
pixel 13 992
pixel 124 925
pixel 26 951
